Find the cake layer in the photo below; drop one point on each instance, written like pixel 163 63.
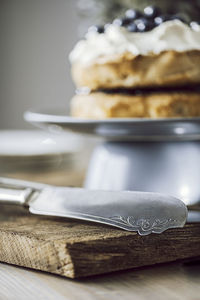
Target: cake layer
pixel 169 68
pixel 99 105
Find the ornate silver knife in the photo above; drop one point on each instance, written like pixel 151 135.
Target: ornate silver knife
pixel 133 211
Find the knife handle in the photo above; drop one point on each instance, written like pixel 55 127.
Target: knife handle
pixel 17 192
pixel 15 196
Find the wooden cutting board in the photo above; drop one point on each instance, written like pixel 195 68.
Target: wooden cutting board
pixel 76 249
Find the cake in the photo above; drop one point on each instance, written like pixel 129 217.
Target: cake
pixel 144 65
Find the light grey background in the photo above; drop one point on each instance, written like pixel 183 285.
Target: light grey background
pixel 35 39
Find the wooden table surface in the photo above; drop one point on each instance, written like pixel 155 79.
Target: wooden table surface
pixel 169 281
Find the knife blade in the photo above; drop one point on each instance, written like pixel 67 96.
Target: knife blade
pixel 142 212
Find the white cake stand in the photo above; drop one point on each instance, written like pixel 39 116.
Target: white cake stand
pixel 160 155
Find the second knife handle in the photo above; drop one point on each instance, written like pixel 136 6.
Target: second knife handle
pixel 15 196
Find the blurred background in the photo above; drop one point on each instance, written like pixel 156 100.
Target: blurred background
pixel 36 37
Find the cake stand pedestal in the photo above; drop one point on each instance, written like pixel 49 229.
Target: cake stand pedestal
pixel 164 166
pixel 155 155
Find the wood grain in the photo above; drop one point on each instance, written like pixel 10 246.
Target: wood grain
pixel 75 249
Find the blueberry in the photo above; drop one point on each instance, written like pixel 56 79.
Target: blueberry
pixel 117 22
pixel 161 19
pixel 126 21
pixel 151 11
pixel 195 25
pixel 177 17
pixel 132 27
pixel 150 25
pixel 143 24
pixel 122 22
pixel 96 28
pixel 133 14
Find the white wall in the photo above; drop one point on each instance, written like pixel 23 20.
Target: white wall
pixel 35 39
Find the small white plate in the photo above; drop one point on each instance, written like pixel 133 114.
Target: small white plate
pixel 118 129
pixel 35 143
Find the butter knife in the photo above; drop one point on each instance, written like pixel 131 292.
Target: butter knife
pixel 142 212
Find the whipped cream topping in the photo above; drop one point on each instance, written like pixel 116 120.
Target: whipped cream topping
pixel 170 35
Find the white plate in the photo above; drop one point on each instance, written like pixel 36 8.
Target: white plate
pixel 118 129
pixel 26 143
